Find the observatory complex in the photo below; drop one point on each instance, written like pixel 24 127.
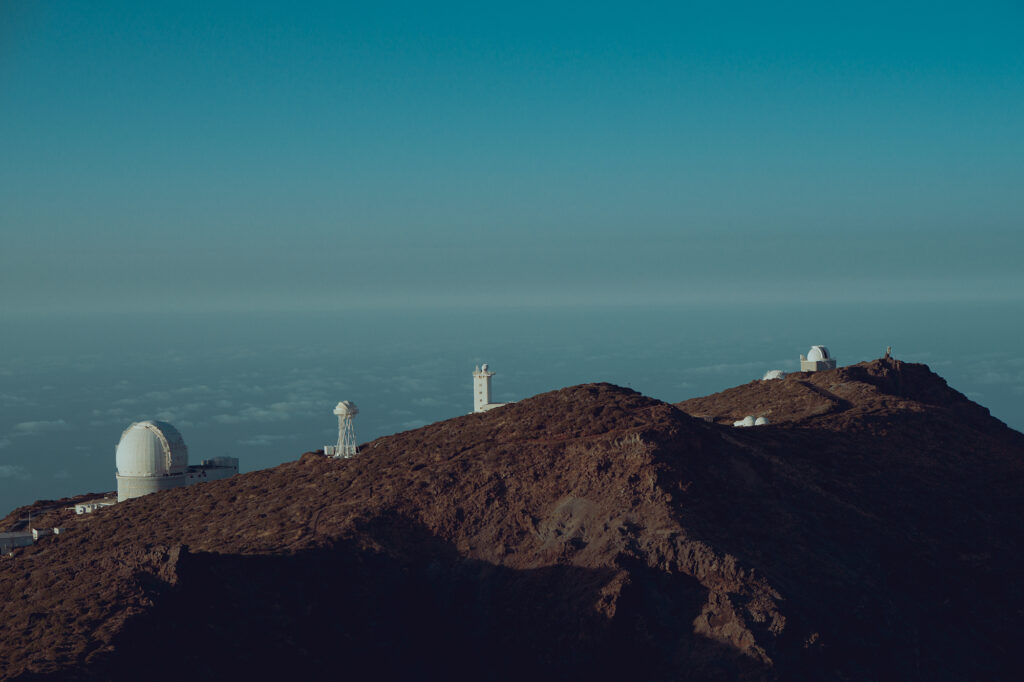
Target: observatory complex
pixel 152 456
pixel 346 446
pixel 817 359
pixel 482 389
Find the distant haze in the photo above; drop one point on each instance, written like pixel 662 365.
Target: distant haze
pixel 262 387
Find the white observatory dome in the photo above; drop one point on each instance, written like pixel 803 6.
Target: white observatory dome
pixel 818 354
pixel 151 448
pixel 346 407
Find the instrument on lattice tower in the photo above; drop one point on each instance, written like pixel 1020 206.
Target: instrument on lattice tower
pixel 346 446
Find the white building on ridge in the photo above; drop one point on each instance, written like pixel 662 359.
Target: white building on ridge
pixel 94 505
pixel 482 390
pixel 817 359
pixel 152 456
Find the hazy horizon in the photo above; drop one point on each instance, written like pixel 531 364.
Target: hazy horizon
pixel 261 387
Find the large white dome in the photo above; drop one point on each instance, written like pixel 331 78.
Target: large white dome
pixel 151 448
pixel 818 354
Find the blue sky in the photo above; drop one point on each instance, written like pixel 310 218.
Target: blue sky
pixel 197 156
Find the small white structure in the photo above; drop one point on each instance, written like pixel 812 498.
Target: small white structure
pixel 151 456
pixel 211 470
pixel 92 505
pixel 346 446
pixel 750 420
pixel 43 532
pixel 773 374
pixel 817 359
pixel 482 390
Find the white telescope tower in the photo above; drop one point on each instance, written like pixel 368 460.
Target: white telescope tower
pixel 482 389
pixel 346 446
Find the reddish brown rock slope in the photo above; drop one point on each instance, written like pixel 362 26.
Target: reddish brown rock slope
pixel 587 532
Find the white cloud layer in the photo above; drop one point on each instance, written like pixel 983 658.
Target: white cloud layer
pixel 15 471
pixel 32 428
pixel 275 412
pixel 263 440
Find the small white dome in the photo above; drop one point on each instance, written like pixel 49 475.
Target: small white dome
pixel 773 374
pixel 151 448
pixel 818 354
pixel 761 421
pixel 346 407
pixel 746 421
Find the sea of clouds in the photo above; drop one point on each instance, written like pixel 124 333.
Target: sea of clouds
pixel 262 387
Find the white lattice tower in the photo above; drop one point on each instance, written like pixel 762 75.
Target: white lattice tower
pixel 346 446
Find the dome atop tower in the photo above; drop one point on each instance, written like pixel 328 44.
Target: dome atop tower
pixel 151 448
pixel 818 354
pixel 346 407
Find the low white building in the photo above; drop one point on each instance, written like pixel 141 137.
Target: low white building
pixel 43 532
pixel 152 456
pixel 212 470
pixel 817 359
pixel 92 505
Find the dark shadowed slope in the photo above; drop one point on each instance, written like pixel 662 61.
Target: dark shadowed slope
pixel 586 532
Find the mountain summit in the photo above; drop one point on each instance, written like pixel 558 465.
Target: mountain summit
pixel 869 531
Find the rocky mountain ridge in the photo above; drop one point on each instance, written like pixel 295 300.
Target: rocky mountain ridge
pixel 869 532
